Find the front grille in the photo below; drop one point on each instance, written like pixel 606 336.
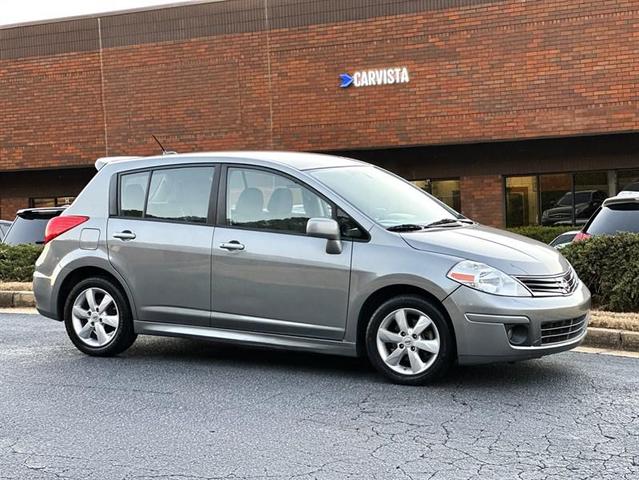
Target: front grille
pixel 562 330
pixel 553 285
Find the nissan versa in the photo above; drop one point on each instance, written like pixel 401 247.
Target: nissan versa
pixel 300 251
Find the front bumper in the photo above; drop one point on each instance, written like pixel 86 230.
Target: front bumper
pixel 480 321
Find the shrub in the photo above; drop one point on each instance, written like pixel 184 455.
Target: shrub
pixel 543 234
pixel 609 266
pixel 17 262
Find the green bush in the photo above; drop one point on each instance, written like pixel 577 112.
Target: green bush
pixel 609 266
pixel 543 234
pixel 17 262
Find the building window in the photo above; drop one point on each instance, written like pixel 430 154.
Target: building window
pixel 47 202
pixel 561 199
pixel 627 180
pixel 521 201
pixel 445 190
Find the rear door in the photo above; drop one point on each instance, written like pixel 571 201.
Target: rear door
pixel 160 241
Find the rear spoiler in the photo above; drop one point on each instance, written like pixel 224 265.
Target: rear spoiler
pixel 622 199
pixel 102 161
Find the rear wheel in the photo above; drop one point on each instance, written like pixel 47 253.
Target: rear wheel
pixel 98 319
pixel 409 341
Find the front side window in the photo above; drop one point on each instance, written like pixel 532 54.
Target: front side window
pixel 385 198
pixel 180 194
pixel 263 200
pixel 132 194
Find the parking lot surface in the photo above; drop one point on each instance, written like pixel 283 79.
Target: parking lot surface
pixel 181 409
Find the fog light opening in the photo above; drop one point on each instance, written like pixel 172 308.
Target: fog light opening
pixel 517 334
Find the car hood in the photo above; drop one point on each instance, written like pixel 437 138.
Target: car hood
pixel 510 253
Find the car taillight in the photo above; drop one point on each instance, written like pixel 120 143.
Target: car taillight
pixel 58 225
pixel 581 236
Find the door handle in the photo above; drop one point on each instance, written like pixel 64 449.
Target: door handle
pixel 125 235
pixel 232 245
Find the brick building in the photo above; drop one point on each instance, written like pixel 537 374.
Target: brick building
pixel 511 108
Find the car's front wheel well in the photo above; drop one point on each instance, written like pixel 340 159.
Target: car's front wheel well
pixel 378 297
pixel 76 277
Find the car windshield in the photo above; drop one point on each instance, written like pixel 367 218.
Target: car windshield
pixel 385 198
pixel 26 230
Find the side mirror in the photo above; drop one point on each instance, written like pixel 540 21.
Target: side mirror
pixel 326 228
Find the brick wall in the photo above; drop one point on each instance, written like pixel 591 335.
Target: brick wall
pixel 482 199
pixel 17 187
pixel 212 76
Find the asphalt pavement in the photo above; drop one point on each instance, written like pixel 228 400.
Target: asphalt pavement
pixel 183 409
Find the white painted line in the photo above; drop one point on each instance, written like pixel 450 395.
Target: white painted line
pixel 605 351
pixel 22 311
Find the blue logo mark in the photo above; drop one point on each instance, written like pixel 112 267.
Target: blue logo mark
pixel 346 80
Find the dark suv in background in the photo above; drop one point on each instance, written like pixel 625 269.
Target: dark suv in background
pixel 30 224
pixel 560 213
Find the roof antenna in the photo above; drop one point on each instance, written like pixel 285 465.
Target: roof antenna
pixel 164 151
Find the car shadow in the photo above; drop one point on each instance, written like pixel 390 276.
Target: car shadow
pixel 527 374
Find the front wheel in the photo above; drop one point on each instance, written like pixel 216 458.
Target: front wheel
pixel 409 341
pixel 98 319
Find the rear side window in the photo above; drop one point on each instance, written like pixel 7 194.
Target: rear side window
pixel 612 219
pixel 133 188
pixel 180 194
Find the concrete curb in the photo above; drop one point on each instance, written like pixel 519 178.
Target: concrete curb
pixel 612 339
pixel 17 299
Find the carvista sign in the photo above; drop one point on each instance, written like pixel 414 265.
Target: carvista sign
pixel 371 78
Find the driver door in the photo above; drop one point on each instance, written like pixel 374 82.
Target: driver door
pixel 268 275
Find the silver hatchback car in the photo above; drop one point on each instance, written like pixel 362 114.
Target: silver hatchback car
pixel 300 251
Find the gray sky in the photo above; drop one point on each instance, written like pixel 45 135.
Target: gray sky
pixel 19 11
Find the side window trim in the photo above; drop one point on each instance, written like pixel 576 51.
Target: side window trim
pixel 221 220
pixel 115 192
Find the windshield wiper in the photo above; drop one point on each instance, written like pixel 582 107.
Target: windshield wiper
pixel 446 221
pixel 405 227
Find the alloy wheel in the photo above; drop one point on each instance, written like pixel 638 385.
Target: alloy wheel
pixel 95 317
pixel 408 341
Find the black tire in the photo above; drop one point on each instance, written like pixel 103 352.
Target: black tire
pixel 442 360
pixel 124 334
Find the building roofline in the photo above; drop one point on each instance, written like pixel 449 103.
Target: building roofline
pixel 182 3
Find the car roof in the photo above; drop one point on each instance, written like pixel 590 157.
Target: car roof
pixel 296 160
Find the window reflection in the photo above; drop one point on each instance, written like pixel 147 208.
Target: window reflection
pixel 521 201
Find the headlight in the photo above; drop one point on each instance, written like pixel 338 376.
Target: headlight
pixel 487 279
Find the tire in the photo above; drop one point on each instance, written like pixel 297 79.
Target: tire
pixel 91 331
pixel 417 353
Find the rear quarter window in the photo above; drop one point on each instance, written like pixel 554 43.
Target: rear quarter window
pixel 133 187
pixel 613 219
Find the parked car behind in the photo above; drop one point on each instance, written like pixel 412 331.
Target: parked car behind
pixel 4 228
pixel 630 190
pixel 560 241
pixel 617 214
pixel 300 251
pixel 30 224
pixel 586 202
